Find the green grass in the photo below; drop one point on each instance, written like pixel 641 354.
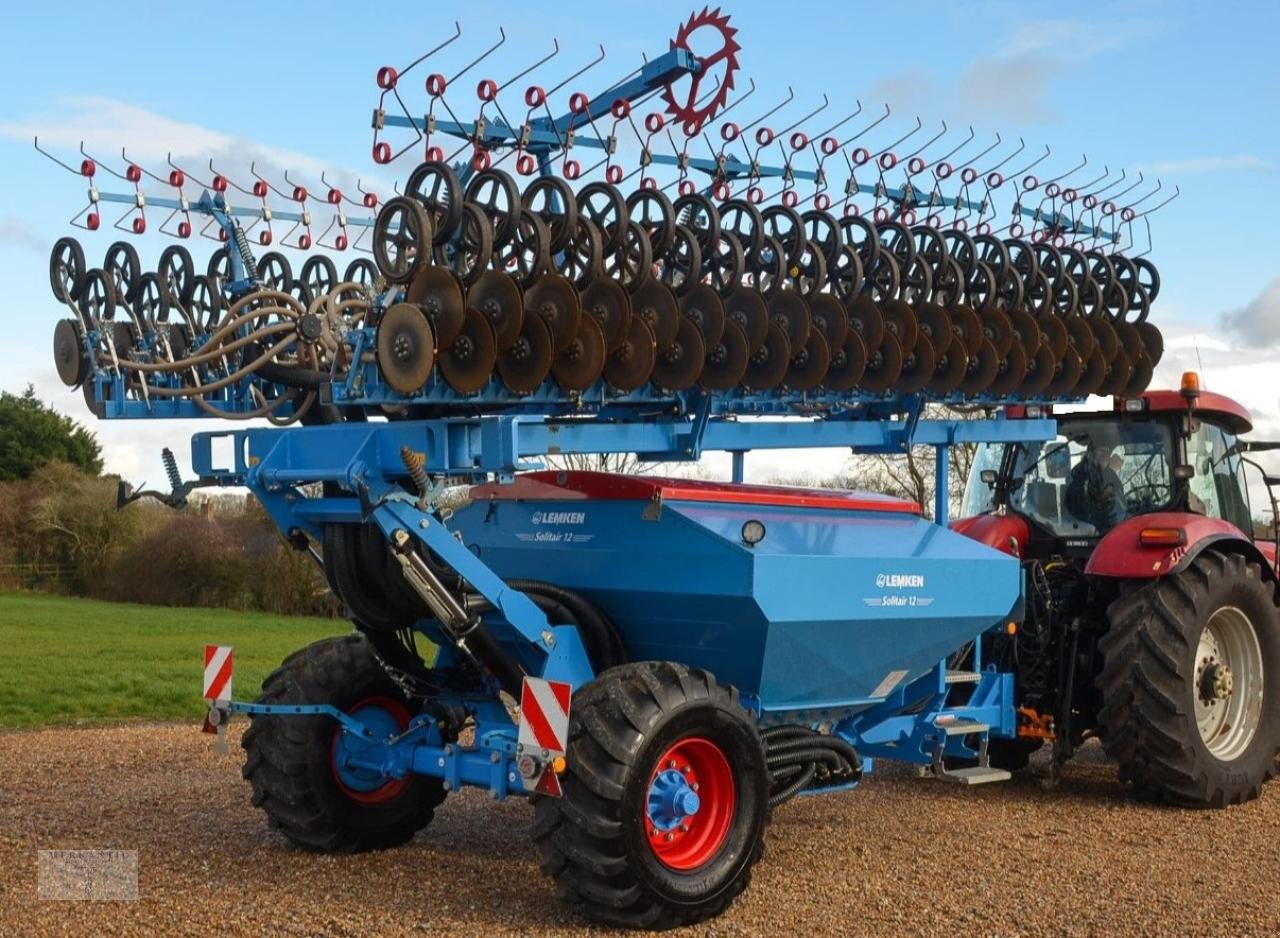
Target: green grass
pixel 66 661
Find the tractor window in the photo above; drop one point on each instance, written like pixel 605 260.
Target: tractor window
pixel 1093 475
pixel 979 498
pixel 1218 487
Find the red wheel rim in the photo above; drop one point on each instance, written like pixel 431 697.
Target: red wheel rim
pixel 392 788
pixel 698 837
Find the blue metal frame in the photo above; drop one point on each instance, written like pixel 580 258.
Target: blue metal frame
pixel 364 462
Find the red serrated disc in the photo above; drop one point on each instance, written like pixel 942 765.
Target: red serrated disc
pixel 683 105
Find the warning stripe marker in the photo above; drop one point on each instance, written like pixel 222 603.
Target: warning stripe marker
pixel 544 714
pixel 218 665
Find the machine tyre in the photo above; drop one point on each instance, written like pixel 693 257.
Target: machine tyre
pixel 290 758
pixel 1153 678
pixel 597 841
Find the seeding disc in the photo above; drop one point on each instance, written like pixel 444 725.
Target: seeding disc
pixel 656 305
pixel 1142 371
pixel 705 309
pixel 829 318
pixel 866 319
pixel 1011 371
pixel 1055 334
pixel 848 362
pixel 554 299
pixel 918 366
pixel 727 362
pixel 1119 371
pixel 406 348
pixel 68 355
pixel 679 363
pixel 1108 340
pixel 967 327
pixel 437 291
pixel 948 373
pixel 768 363
pixel 606 302
pixel 1064 377
pixel 1080 336
pixel 497 296
pixel 789 310
pixel 525 365
pixel 631 363
pixel 809 366
pixel 935 325
pixel 998 330
pixel 1152 341
pixel 1026 332
pixel 1042 369
pixel 1092 374
pixel 745 307
pixel 580 364
pixel 1130 340
pixel 469 360
pixel 981 369
pixel 884 365
pixel 900 320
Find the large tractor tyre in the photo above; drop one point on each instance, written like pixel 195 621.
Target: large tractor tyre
pixel 293 762
pixel 666 799
pixel 1190 684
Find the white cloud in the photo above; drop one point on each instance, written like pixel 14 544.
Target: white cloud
pixel 1257 323
pixel 1208 164
pixel 21 234
pixel 105 125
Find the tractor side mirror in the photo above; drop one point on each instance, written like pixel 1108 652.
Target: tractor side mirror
pixel 988 477
pixel 1058 463
pixel 1184 473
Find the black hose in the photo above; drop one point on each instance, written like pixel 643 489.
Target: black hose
pixel 598 630
pixel 793 788
pixel 799 757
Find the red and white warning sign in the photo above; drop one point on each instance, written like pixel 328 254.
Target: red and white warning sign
pixel 218 663
pixel 544 731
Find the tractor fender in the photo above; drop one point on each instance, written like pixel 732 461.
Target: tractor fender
pixel 1122 555
pixel 1007 533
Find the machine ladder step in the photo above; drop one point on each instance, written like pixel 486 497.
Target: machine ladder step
pixel 975 775
pixel 960 727
pixel 963 677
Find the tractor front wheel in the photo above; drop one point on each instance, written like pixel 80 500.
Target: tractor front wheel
pixel 666 799
pixel 297 765
pixel 1190 684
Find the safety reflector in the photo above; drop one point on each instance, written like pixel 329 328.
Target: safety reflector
pixel 219 660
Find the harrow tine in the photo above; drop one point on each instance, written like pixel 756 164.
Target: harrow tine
pixel 502 38
pixel 457 32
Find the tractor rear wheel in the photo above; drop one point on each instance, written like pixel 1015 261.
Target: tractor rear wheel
pixel 293 762
pixel 666 799
pixel 1190 684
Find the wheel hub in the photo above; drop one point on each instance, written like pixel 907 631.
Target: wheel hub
pixel 672 799
pixel 1228 689
pixel 1217 682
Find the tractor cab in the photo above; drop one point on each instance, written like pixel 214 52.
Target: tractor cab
pixel 1165 452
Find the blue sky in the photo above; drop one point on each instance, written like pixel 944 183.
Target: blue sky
pixel 1185 95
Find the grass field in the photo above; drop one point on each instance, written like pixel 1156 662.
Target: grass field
pixel 66 661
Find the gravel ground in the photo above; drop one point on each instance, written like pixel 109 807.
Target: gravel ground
pixel 899 854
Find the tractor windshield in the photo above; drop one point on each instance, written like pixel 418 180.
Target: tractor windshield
pixel 1095 473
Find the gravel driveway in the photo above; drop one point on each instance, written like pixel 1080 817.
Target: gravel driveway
pixel 898 854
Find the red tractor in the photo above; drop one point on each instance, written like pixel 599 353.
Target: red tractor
pixel 1151 619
